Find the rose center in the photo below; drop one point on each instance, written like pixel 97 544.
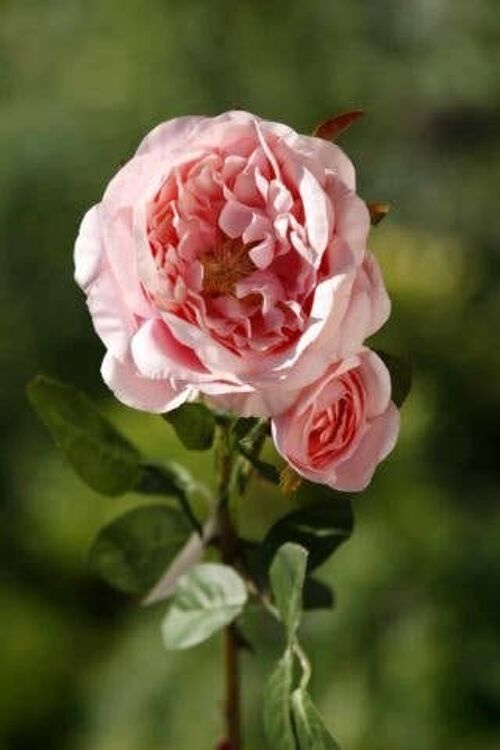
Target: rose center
pixel 224 267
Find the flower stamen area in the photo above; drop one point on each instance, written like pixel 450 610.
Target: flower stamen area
pixel 225 266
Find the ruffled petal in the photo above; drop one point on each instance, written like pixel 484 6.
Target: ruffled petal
pixel 142 393
pixel 88 249
pixel 356 473
pixel 158 354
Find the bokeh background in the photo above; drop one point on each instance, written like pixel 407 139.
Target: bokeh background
pixel 410 657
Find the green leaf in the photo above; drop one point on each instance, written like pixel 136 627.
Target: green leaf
pixel 194 425
pixel 169 479
pixel 266 470
pixel 401 376
pixel 242 428
pixel 99 454
pixel 287 575
pixel 207 598
pixel 247 436
pixel 164 479
pixel 310 493
pixel 320 528
pixel 317 595
pixel 277 714
pixel 309 727
pixel 189 556
pixel 132 552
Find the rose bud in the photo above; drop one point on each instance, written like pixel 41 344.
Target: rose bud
pixel 341 426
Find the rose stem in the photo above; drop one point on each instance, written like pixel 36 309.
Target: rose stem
pixel 228 546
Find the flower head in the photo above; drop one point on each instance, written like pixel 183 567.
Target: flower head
pixel 228 257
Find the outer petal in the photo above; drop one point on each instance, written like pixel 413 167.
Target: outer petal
pixel 158 354
pixel 368 309
pixel 112 319
pixel 352 218
pixel 372 282
pixel 169 135
pixel 317 154
pixel 88 249
pixel 132 389
pixel 377 381
pixel 317 213
pixel 253 403
pixel 356 473
pixel 180 134
pixel 322 342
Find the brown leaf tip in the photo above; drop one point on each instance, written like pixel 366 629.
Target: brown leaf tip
pixel 334 126
pixel 378 211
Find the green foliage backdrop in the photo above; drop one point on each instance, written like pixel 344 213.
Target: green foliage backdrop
pixel 409 659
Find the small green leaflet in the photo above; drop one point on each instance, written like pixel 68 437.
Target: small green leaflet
pixel 309 727
pixel 277 714
pixel 132 552
pixel 99 454
pixel 194 424
pixel 167 478
pixel 207 598
pixel 287 575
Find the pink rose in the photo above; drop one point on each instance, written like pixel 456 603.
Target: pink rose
pixel 228 257
pixel 341 426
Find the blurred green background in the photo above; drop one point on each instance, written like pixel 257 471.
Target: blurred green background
pixel 410 657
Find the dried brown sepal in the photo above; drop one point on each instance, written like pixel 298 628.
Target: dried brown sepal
pixel 378 211
pixel 289 480
pixel 333 127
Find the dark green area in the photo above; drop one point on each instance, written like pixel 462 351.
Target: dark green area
pixel 409 657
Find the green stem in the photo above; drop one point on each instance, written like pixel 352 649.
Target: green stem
pixel 305 664
pixel 186 507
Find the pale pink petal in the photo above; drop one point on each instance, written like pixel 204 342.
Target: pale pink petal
pixel 316 152
pixel 172 134
pixel 317 213
pixel 88 249
pixel 112 319
pixel 252 403
pixel 234 219
pixel 377 382
pixel 352 218
pixel 158 354
pixel 262 254
pixel 374 287
pixel 121 254
pixel 355 474
pixel 142 393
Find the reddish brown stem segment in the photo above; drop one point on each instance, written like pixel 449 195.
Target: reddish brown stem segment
pixel 228 546
pixel 232 700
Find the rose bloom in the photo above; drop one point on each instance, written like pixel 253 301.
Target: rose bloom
pixel 228 258
pixel 341 426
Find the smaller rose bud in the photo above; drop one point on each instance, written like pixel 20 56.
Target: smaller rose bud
pixel 342 425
